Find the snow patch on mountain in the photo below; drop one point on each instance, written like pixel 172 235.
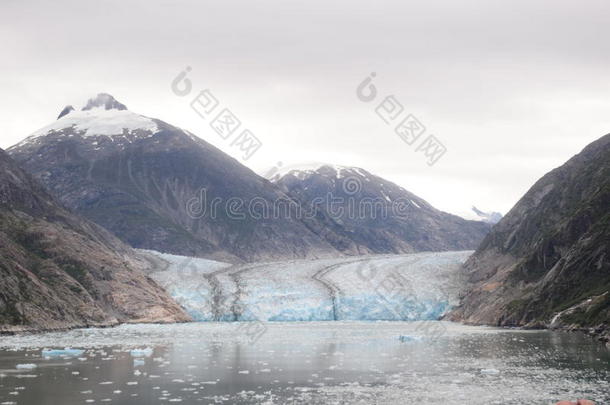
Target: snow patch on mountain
pixel 102 115
pixel 474 214
pixel 303 170
pixel 98 121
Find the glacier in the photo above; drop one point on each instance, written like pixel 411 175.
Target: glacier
pixel 407 287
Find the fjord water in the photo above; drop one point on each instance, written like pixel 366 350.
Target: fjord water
pixel 303 362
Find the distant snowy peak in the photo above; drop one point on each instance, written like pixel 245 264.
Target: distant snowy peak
pixel 336 179
pixel 362 212
pixel 305 170
pixel 102 115
pixel 475 214
pixel 489 217
pixel 350 178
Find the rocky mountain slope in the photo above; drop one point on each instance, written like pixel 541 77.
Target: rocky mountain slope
pixel 547 262
pixel 158 187
pixel 376 215
pixel 58 270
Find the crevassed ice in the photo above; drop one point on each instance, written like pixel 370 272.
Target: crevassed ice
pixel 421 286
pixel 101 122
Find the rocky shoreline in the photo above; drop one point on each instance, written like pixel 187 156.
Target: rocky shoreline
pixel 600 333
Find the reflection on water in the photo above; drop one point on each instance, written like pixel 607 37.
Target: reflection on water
pixel 316 362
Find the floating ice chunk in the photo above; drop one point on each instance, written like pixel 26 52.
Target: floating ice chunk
pixel 138 362
pixel 67 352
pixel 28 366
pixel 146 352
pixel 409 338
pixel 490 371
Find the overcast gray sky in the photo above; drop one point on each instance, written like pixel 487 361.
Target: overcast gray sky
pixel 512 89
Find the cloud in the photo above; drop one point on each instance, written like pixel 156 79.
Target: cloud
pixel 512 89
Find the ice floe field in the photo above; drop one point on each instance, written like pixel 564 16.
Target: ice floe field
pixel 342 362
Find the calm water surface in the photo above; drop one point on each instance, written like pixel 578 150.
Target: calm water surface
pixel 313 363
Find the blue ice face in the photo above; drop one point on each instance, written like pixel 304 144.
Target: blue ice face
pixel 390 288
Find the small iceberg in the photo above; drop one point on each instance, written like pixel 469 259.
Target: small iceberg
pixel 490 371
pixel 25 366
pixel 146 352
pixel 67 352
pixel 409 338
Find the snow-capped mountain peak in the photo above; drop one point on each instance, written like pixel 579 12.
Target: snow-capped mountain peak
pixel 102 101
pixel 101 115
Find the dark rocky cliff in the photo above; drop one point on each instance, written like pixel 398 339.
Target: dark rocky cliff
pixel 58 270
pixel 547 262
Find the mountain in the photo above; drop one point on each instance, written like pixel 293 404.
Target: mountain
pixel 547 262
pixel 159 187
pixel 475 214
pixel 489 217
pixel 58 270
pixel 374 214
